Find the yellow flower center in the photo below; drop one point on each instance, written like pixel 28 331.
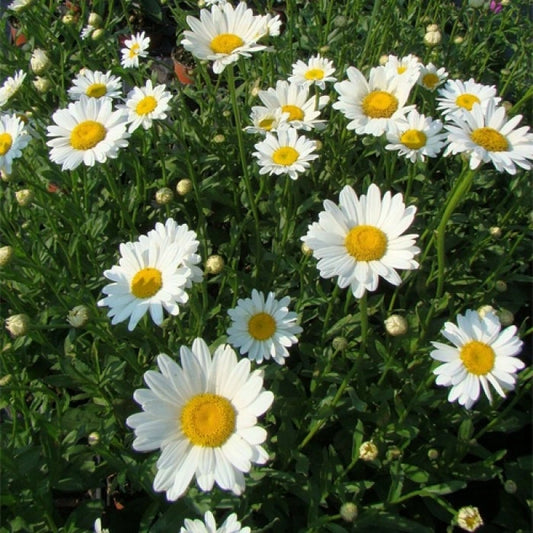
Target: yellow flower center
pixel 314 74
pixel 413 139
pixel 225 43
pixel 6 142
pixel 87 135
pixel 146 105
pixel 266 124
pixel 146 282
pixel 295 113
pixel 490 139
pixel 467 101
pixel 477 357
pixel 430 80
pixel 261 326
pixel 134 50
pixel 380 104
pixel 401 69
pixel 286 156
pixel 208 420
pixel 96 90
pixel 366 243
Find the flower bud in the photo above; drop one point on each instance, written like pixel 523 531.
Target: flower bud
pixel 348 511
pixel 184 187
pixel 24 197
pixel 6 254
pixel 39 61
pixel 5 176
pixel 468 518
pixel 433 454
pixel 339 343
pixel 383 59
pixel 340 21
pixel 95 20
pixel 214 264
pixel 396 325
pixel 393 453
pixel 41 84
pixel 18 325
pixel 78 316
pixel 484 309
pixel 510 486
pixel 69 19
pixel 500 285
pixel 432 38
pixel 432 27
pixel 97 34
pixel 459 39
pixel 164 196
pixel 495 232
pixel 324 49
pixel 368 451
pixel 506 317
pixel 219 138
pixel 4 380
pixel 305 249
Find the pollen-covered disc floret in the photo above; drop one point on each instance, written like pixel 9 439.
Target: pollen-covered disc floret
pixel 13 139
pixel 482 355
pixel 95 84
pixel 146 104
pixel 317 71
pixel 134 48
pixel 263 328
pixel 458 96
pixel 202 415
pixel 230 525
pixel 361 239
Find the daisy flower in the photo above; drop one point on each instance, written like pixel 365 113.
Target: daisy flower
pixel 372 105
pixel 230 525
pixel 286 153
pixel 318 70
pixel 481 355
pixel 13 139
pixel 272 25
pixel 430 77
pixel 88 131
pixel 95 84
pixel 265 120
pixel 407 68
pixel 469 518
pixel 11 86
pixel 19 5
pixel 87 31
pixel 146 104
pixel 263 329
pixel 456 96
pixel 488 136
pixel 135 47
pixel 223 34
pixel 202 416
pixel 361 239
pixel 416 136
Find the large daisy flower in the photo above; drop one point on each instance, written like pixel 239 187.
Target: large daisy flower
pixel 361 239
pixel 95 84
pixel 224 33
pixel 372 105
pixel 431 77
pixel 317 71
pixel 88 131
pixel 13 139
pixel 489 137
pixel 230 525
pixel 482 354
pixel 10 86
pixel 263 328
pixel 203 416
pixel 134 48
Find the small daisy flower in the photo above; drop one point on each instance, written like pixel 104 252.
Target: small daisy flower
pixel 203 417
pixel 482 355
pixel 88 131
pixel 11 86
pixel 285 153
pixel 468 518
pixel 272 25
pixel 19 5
pixel 87 31
pixel 318 70
pixel 146 104
pixel 372 105
pixel 457 96
pixel 407 68
pixel 230 525
pixel 13 139
pixel 488 136
pixel 95 84
pixel 416 136
pixel 361 239
pixel 265 120
pixel 135 47
pixel 430 77
pixel 223 34
pixel 263 328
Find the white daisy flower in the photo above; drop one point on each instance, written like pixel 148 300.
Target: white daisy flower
pixel 265 120
pixel 146 104
pixel 430 77
pixel 13 139
pixel 407 68
pixel 19 5
pixel 87 31
pixel 285 153
pixel 230 525
pixel 457 96
pixel 301 110
pixel 374 104
pixel 11 86
pixel 488 136
pixel 88 131
pixel 263 329
pixel 318 70
pixel 223 34
pixel 481 355
pixel 95 84
pixel 135 47
pixel 272 24
pixel 361 239
pixel 416 136
pixel 203 416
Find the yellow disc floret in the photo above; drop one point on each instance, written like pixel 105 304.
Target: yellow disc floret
pixel 87 135
pixel 146 283
pixel 314 74
pixel 467 101
pixel 380 104
pixel 366 243
pixel 96 90
pixel 225 43
pixel 146 105
pixel 490 139
pixel 430 80
pixel 477 357
pixel 413 139
pixel 6 141
pixel 286 156
pixel 295 113
pixel 261 326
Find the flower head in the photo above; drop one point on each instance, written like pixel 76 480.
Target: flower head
pixel 18 325
pixel 95 84
pixel 13 139
pixel 135 47
pixel 230 525
pixel 317 71
pixel 265 120
pixel 430 77
pixel 469 518
pixel 457 96
pixel 19 5
pixel 406 68
pixel 10 86
pixel 39 61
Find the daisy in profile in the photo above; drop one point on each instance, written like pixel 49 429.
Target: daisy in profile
pixel 482 355
pixel 265 120
pixel 95 84
pixel 134 48
pixel 202 415
pixel 407 68
pixel 146 104
pixel 11 86
pixel 317 71
pixel 88 131
pixel 457 96
pixel 285 153
pixel 488 137
pixel 224 33
pixel 416 137
pixel 372 105
pixel 13 139
pixel 263 328
pixel 361 239
pixel 230 525
pixel 19 5
pixel 430 77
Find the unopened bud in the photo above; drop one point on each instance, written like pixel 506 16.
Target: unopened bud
pixel 95 20
pixel 39 61
pixel 219 138
pixel 368 451
pixel 459 39
pixel 184 187
pixel 97 34
pixel 348 511
pixel 339 343
pixel 214 264
pixel 6 253
pixel 396 325
pixel 510 486
pixel 42 84
pixel 495 232
pixel 78 316
pixel 506 317
pixel 164 196
pixel 432 38
pixel 24 197
pixel 4 380
pixel 383 59
pixel 18 325
pixel 432 27
pixel 93 438
pixel 500 285
pixel 305 249
pixel 484 309
pixel 433 454
pixel 69 19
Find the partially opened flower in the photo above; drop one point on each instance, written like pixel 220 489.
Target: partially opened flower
pixel 10 86
pixel 317 71
pixel 230 525
pixel 134 48
pixel 95 84
pixel 13 139
pixel 457 96
pixel 482 355
pixel 361 239
pixel 431 77
pixel 202 415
